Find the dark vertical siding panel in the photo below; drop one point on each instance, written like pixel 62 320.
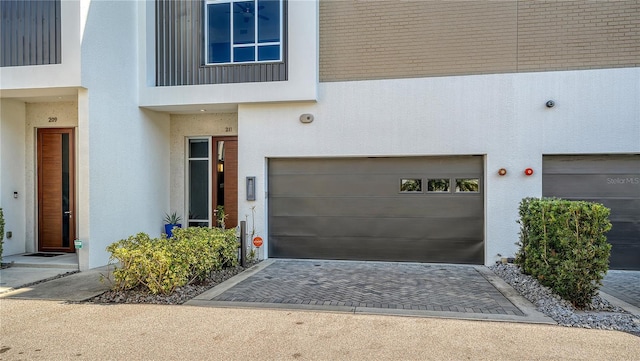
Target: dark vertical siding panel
pixel 180 50
pixel 172 20
pixel 17 33
pixel 43 35
pixel 41 32
pixel 158 41
pixel 58 31
pixel 30 32
pixel 181 45
pixel 34 27
pixel 170 45
pixel 3 33
pixel 162 47
pixel 46 14
pixel 192 68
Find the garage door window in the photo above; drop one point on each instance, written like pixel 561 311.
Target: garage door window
pixel 438 185
pixel 467 185
pixel 411 185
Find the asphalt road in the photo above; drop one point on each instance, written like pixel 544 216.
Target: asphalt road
pixel 54 330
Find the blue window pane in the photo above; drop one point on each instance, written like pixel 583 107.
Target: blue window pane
pixel 270 52
pixel 244 25
pixel 244 54
pixel 268 21
pixel 219 33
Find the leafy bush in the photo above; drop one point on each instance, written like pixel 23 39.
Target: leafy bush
pixel 161 265
pixel 1 232
pixel 563 244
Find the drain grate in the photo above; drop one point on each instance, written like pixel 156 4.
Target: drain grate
pixel 41 254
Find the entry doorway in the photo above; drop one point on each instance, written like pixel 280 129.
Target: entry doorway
pixel 212 170
pixel 225 180
pixel 56 189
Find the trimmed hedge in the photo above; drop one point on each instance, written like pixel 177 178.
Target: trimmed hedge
pixel 161 265
pixel 563 244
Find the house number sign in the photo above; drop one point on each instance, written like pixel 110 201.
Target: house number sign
pixel 53 119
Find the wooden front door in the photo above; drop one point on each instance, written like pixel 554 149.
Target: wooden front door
pixel 56 189
pixel 225 178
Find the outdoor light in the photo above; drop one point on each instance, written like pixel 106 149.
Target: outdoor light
pixel 306 118
pixel 528 171
pixel 251 188
pixel 502 171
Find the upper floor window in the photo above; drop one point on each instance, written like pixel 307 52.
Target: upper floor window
pixel 241 31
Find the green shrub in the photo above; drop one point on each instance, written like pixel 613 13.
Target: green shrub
pixel 161 265
pixel 206 249
pixel 563 244
pixel 1 232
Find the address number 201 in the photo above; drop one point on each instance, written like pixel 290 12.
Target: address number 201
pixel 53 119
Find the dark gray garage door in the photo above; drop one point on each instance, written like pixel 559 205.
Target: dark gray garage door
pixel 613 180
pixel 423 209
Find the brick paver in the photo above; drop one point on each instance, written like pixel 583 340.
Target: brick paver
pixel 624 285
pixel 407 286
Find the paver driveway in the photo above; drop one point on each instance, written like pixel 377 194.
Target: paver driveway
pixel 624 285
pixel 382 285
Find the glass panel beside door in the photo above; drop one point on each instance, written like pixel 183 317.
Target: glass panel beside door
pixel 198 185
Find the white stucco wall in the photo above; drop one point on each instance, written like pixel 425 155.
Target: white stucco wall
pixel 501 116
pixel 193 125
pixel 12 176
pixel 128 183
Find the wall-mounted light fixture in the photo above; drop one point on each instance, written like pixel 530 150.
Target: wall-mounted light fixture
pixel 502 171
pixel 550 103
pixel 251 188
pixel 528 171
pixel 15 195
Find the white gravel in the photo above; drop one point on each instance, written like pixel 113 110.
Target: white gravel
pixel 600 314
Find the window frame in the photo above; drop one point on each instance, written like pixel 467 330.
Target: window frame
pixel 187 182
pixel 458 191
pixel 421 182
pixel 256 45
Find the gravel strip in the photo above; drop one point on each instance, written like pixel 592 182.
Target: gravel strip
pixel 600 314
pixel 179 296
